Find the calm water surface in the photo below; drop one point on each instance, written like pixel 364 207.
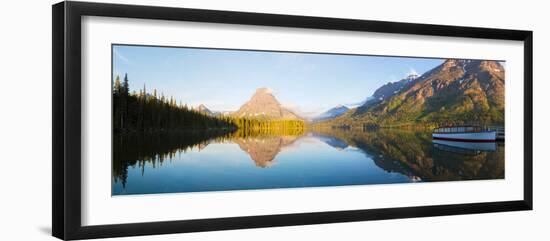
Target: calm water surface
pixel 207 161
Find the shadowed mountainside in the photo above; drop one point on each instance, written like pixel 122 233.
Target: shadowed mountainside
pixel 457 91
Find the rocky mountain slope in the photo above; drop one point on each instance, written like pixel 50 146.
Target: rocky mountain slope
pixel 387 91
pixel 465 91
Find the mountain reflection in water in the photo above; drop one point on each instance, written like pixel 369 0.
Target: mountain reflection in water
pixel 224 160
pixel 263 149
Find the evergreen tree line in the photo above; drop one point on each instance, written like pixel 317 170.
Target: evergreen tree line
pixel 275 127
pixel 150 112
pixel 143 111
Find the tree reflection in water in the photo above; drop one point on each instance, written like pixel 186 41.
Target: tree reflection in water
pixel 138 149
pixel 410 153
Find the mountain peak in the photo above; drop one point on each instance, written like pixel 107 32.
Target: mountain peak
pixel 263 104
pixel 465 67
pixel 202 108
pixel 449 63
pixel 491 66
pixel 263 95
pixel 264 90
pixel 455 61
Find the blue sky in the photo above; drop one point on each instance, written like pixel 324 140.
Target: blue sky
pixel 225 79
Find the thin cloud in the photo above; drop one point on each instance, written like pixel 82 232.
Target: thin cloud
pixel 120 56
pixel 412 72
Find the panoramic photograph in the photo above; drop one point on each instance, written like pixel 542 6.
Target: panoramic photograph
pixel 202 120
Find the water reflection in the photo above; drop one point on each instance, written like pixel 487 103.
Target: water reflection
pixel 137 150
pixel 472 148
pixel 263 149
pixel 211 161
pixel 412 153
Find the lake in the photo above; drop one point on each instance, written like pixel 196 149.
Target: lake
pixel 224 160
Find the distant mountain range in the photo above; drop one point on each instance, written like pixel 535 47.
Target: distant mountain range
pixel 332 113
pixel 457 91
pixel 381 94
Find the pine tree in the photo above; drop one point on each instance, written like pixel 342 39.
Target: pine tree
pixel 117 85
pixel 125 86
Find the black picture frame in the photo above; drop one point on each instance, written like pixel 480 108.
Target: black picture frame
pixel 66 128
